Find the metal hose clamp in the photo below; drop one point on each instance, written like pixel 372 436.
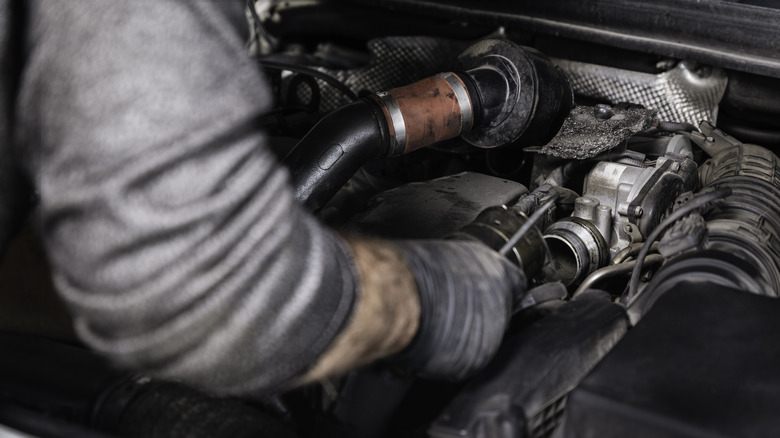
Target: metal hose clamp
pixel 464 101
pixel 397 118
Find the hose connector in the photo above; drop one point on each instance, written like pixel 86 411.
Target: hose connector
pixel 503 93
pixel 428 111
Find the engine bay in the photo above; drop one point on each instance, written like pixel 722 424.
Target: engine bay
pixel 629 169
pixel 633 194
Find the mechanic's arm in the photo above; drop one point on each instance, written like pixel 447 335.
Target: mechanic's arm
pixel 173 236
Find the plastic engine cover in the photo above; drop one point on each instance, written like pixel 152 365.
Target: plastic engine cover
pixel 436 208
pixel 703 363
pixel 523 391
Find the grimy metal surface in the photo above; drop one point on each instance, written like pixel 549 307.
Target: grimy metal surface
pixel 685 93
pixel 431 112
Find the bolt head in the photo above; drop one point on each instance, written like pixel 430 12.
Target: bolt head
pixel 603 112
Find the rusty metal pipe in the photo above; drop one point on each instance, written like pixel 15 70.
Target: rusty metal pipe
pixel 428 111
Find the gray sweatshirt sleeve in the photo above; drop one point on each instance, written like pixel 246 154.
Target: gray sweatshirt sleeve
pixel 172 233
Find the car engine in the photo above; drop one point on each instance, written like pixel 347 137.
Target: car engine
pixel 621 153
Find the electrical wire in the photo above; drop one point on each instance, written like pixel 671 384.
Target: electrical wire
pixel 300 69
pixel 630 251
pixel 695 203
pixel 260 31
pixel 676 127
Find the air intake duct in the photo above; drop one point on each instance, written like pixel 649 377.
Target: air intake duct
pixel 502 94
pixel 742 250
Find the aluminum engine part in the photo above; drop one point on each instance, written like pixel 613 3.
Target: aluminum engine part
pixel 639 196
pixel 576 249
pixel 686 93
pixel 585 135
pixel 578 245
pixel 600 215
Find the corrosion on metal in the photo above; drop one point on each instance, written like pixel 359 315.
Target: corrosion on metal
pixel 431 112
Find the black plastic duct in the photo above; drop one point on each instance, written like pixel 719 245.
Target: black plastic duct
pixel 522 393
pixel 702 363
pixel 747 223
pixel 743 232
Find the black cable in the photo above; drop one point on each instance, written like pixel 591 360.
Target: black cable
pixel 258 25
pixel 697 202
pixel 330 80
pixel 630 251
pixel 676 126
pixel 527 225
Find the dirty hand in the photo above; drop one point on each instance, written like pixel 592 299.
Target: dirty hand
pixel 466 297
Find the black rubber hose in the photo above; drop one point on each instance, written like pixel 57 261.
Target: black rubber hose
pixel 311 72
pixel 676 127
pixel 342 142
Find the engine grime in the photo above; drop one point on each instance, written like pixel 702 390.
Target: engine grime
pixel 584 135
